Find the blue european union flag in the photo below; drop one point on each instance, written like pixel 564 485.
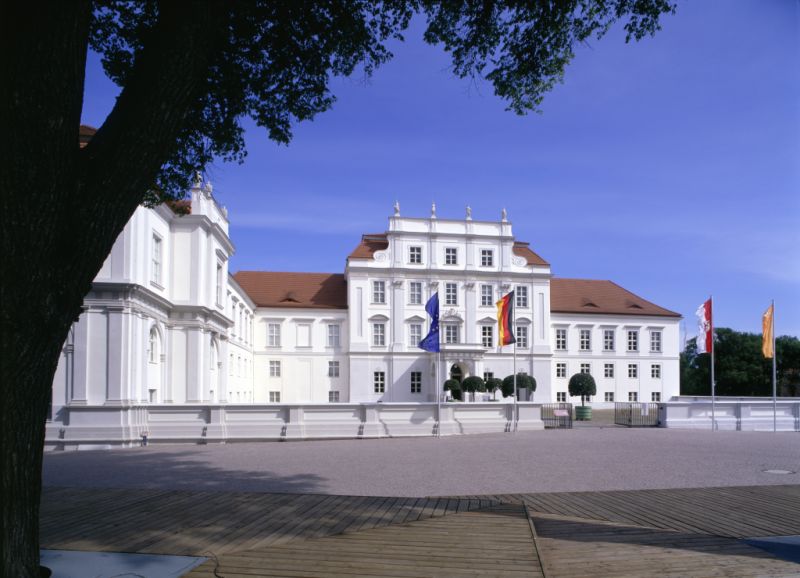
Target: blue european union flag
pixel 431 341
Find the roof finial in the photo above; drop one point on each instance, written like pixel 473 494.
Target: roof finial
pixel 208 188
pixel 197 180
pixel 433 210
pixel 469 213
pixel 397 208
pixel 504 215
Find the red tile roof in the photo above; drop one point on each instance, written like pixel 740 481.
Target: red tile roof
pixel 594 296
pixel 294 290
pixel 522 249
pixel 370 243
pixel 85 134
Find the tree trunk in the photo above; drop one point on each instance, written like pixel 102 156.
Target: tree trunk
pixel 63 207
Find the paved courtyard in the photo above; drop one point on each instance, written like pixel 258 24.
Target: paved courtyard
pixel 582 459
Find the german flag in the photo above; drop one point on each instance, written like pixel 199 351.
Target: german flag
pixel 505 317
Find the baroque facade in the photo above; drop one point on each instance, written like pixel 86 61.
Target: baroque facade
pixel 165 322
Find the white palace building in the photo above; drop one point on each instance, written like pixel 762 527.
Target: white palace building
pixel 171 346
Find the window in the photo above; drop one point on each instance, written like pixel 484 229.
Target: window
pixel 414 334
pixel 379 382
pixel 415 293
pixel 487 296
pixel 334 335
pixel 561 370
pixel 655 341
pixel 274 335
pixel 451 256
pixel 152 346
pixel 561 396
pixel 451 333
pixel 333 397
pixel 522 296
pixel 487 336
pixel 633 370
pixel 157 258
pixel 379 334
pixel 230 365
pixel 655 396
pixel 379 292
pixel 522 336
pixel 608 370
pixel 487 375
pixel 633 340
pixel 633 396
pixel 608 340
pixel 333 369
pixel 586 368
pixel 274 368
pixel 274 396
pixel 586 339
pixel 415 255
pixel 655 371
pixel 303 335
pixel 487 258
pixel 451 294
pixel 416 382
pixel 609 396
pixel 561 339
pixel 219 284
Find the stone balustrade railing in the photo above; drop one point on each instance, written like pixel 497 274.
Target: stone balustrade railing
pixel 102 427
pixel 738 414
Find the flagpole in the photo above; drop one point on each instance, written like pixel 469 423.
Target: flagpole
pixel 514 335
pixel 774 375
pixel 713 385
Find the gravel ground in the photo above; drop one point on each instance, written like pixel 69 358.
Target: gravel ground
pixel 582 459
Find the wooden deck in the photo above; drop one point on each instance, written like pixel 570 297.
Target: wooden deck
pixel 685 532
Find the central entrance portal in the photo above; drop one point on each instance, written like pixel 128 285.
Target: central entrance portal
pixel 456 373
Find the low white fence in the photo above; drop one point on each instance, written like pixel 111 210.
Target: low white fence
pixel 98 427
pixel 738 414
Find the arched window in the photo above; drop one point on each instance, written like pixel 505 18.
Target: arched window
pixel 154 347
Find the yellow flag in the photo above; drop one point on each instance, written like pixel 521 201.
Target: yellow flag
pixel 767 325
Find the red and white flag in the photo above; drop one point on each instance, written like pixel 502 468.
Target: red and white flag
pixel 704 333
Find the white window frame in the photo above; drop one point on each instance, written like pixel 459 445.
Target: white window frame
pixel 416 382
pixel 521 296
pixel 415 255
pixel 609 396
pixel 561 339
pixel 585 339
pixel 487 335
pixel 451 294
pixel 379 382
pixel 273 334
pixel 633 396
pixel 451 333
pixel 586 368
pixel 633 371
pixel 655 396
pixel 415 293
pixel 632 340
pixel 333 368
pixel 333 397
pixel 334 335
pixel 487 296
pixel 655 371
pixel 561 370
pixel 655 341
pixel 609 340
pixel 379 292
pixel 451 255
pixel 608 370
pixel 487 257
pixel 157 260
pixel 414 334
pixel 561 396
pixel 379 334
pixel 274 396
pixel 274 368
pixel 522 336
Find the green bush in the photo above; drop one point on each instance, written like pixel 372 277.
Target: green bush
pixel 473 383
pixel 582 384
pixel 524 381
pixel 493 383
pixel 457 393
pixel 451 384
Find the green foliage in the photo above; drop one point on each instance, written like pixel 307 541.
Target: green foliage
pixel 274 61
pixel 740 368
pixel 473 383
pixel 457 394
pixel 493 384
pixel 582 384
pixel 524 381
pixel 451 384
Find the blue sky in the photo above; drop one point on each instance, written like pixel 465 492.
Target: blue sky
pixel 670 166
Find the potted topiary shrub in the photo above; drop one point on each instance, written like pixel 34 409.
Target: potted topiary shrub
pixel 472 384
pixel 492 385
pixel 524 382
pixel 582 384
pixel 452 385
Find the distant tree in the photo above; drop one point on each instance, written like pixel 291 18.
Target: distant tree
pixel 582 384
pixel 190 73
pixel 740 368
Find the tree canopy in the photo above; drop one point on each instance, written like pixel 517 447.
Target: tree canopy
pixel 740 368
pixel 189 73
pixel 582 384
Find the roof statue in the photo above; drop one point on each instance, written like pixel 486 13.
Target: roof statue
pixel 469 213
pixel 504 215
pixel 433 210
pixel 397 208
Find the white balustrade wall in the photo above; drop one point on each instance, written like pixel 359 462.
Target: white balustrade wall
pixel 102 427
pixel 737 414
